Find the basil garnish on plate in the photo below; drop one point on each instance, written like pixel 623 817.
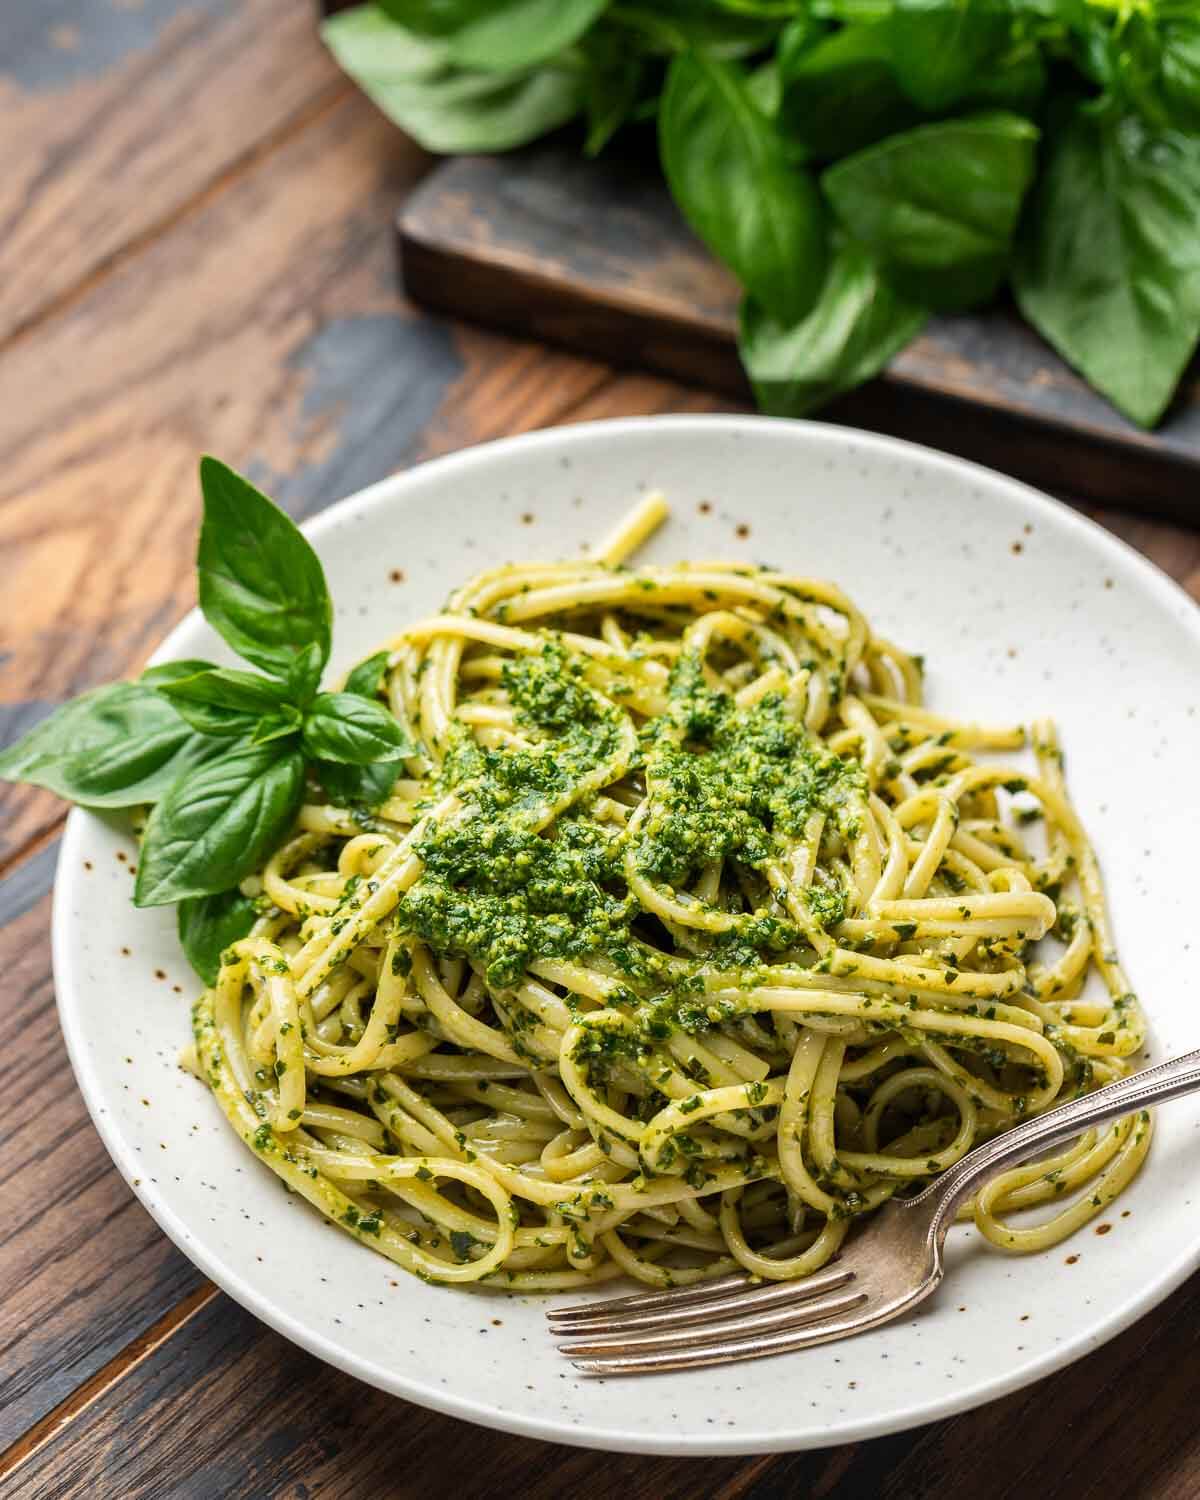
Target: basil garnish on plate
pixel 222 756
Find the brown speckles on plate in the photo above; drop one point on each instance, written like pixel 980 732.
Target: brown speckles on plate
pixel 87 865
pixel 1125 1212
pixel 397 575
pixel 741 530
pixel 705 507
pixel 1103 1228
pixel 126 952
pixel 160 973
pixel 1108 583
pixel 497 1323
pixel 1071 1259
pixel 1018 548
pixel 527 518
pixel 122 856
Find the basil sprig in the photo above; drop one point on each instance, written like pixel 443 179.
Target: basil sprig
pixel 861 164
pixel 222 756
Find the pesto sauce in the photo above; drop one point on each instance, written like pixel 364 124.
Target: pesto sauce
pixel 726 783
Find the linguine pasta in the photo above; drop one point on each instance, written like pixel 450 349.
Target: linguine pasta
pixel 687 936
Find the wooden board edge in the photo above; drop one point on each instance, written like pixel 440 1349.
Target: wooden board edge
pixel 451 280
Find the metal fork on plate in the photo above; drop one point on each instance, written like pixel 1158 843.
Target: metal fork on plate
pixel 883 1271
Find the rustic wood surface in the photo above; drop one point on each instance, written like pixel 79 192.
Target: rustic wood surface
pixel 197 254
pixel 593 255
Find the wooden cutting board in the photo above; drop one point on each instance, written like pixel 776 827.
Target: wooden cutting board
pixel 593 255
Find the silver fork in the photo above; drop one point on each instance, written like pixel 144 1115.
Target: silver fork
pixel 885 1269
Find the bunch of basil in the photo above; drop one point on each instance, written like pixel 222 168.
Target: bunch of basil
pixel 859 164
pixel 222 757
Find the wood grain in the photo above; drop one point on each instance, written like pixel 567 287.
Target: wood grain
pixel 83 1268
pixel 116 116
pixel 265 326
pixel 231 1408
pixel 594 256
pixel 198 255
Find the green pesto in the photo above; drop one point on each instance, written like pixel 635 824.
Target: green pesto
pixel 725 783
pixel 729 782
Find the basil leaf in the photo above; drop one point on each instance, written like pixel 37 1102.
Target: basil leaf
pixel 611 88
pixel 937 206
pixel 304 676
pixel 1014 81
pixel 117 746
pixel 172 671
pixel 358 786
pixel 222 701
pixel 1108 265
pixel 444 108
pixel 217 824
pixel 366 40
pixel 520 33
pixel 683 25
pixel 858 324
pixel 354 730
pixel 841 94
pixel 278 725
pixel 1180 71
pixel 210 924
pixel 261 584
pixel 463 112
pixel 440 18
pixel 729 173
pixel 1152 63
pixel 940 48
pixel 368 677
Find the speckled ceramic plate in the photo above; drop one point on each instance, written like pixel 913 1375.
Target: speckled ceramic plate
pixel 1020 606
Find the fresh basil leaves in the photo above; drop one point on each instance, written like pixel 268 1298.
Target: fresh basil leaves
pixel 888 97
pixel 261 586
pixel 414 80
pixel 937 206
pixel 210 924
pixel 117 746
pixel 353 730
pixel 858 323
pixel 1108 268
pixel 221 755
pixel 729 171
pixel 214 826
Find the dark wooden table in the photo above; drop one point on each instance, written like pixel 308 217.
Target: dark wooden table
pixel 196 253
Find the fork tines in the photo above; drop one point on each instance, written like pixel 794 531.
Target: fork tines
pixel 709 1323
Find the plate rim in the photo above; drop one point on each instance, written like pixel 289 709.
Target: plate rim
pixel 395 1382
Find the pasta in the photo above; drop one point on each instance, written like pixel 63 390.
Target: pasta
pixel 686 937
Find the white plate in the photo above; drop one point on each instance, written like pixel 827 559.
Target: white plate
pixel 1020 606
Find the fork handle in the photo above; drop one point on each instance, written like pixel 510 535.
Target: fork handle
pixel 1167 1080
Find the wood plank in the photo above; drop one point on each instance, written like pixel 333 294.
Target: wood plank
pixel 1121 1422
pixel 230 1408
pixel 117 114
pixel 83 1268
pixel 265 326
pixel 594 256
